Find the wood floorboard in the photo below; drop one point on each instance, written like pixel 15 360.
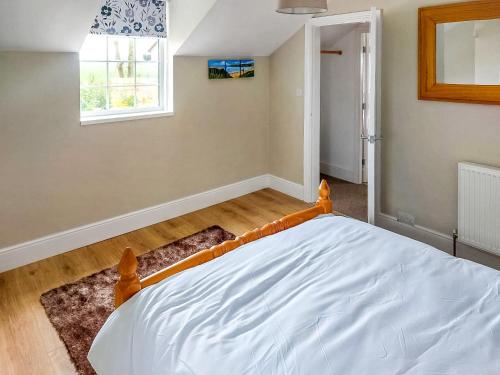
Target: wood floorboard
pixel 28 342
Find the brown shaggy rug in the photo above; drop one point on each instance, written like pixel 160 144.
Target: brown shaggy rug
pixel 78 310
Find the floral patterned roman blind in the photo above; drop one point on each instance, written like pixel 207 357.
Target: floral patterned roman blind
pixel 131 18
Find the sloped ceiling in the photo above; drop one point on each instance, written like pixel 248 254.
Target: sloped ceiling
pixel 332 34
pixel 241 28
pixel 184 18
pixel 45 25
pixel 197 27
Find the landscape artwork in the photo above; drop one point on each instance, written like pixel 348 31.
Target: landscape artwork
pixel 223 69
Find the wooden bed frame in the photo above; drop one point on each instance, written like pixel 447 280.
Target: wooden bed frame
pixel 129 283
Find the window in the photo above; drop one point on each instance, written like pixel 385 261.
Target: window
pixel 122 75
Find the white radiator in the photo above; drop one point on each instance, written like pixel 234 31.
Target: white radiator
pixel 479 206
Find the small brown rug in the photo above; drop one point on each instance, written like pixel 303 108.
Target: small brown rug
pixel 78 310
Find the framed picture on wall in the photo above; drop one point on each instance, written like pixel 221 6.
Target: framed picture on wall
pixel 229 69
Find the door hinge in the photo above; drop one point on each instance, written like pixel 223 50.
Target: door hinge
pixel 373 139
pixel 363 106
pixel 364 49
pixel 363 162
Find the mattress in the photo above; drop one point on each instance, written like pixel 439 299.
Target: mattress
pixel 330 296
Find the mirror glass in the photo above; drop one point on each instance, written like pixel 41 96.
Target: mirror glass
pixel 468 52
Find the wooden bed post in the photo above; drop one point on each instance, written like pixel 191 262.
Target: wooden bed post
pixel 129 283
pixel 324 197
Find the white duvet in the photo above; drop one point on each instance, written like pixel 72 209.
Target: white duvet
pixel 331 296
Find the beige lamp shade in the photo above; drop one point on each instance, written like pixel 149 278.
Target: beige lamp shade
pixel 302 6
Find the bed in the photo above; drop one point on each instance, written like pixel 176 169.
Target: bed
pixel 314 293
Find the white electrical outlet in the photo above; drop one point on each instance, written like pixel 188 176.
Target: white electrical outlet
pixel 406 218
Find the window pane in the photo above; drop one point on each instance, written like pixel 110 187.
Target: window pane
pixel 121 48
pixel 147 49
pixel 94 48
pixel 147 73
pixel 147 96
pixel 121 73
pixel 92 99
pixel 121 97
pixel 93 73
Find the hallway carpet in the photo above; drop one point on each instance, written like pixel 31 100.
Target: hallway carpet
pixel 348 198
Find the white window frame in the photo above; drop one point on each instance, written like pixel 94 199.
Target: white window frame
pixel 165 96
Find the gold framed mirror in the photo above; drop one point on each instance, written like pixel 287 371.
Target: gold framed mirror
pixel 459 52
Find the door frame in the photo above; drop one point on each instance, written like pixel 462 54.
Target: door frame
pixel 312 68
pixel 363 95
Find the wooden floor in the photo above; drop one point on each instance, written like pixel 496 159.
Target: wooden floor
pixel 29 344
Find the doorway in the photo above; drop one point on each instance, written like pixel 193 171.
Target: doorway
pixel 343 127
pixel 342 119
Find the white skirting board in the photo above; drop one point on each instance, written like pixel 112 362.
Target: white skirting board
pixel 438 240
pixel 286 187
pixel 41 248
pixel 338 172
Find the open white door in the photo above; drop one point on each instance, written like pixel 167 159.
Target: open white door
pixel 312 107
pixel 373 115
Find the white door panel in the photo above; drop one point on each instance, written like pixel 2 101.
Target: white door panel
pixel 312 104
pixel 372 115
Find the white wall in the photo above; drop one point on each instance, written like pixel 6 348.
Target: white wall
pixel 340 107
pixel 49 26
pixel 468 52
pixel 56 175
pixel 184 18
pixel 487 49
pixel 239 28
pixel 455 52
pixel 286 119
pixel 423 140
